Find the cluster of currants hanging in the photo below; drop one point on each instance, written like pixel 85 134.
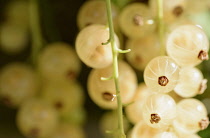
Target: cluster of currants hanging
pixel 46 94
pixel 167 46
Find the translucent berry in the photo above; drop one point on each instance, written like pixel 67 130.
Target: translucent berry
pixel 161 74
pixel 134 110
pixel 191 116
pixel 135 20
pixel 172 9
pixel 191 82
pixel 36 118
pixel 159 110
pixel 166 135
pixel 103 92
pixel 142 51
pixel 141 129
pixel 94 12
pixel 18 82
pixel 59 61
pixel 64 96
pixel 90 47
pixel 65 130
pixel 17 13
pixel 13 38
pixel 188 45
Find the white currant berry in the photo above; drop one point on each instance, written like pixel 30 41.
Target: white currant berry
pixel 18 82
pixel 13 38
pixel 87 14
pixel 17 13
pixel 134 110
pixel 159 110
pixel 191 116
pixel 188 45
pixel 161 74
pixel 65 130
pixel 166 135
pixel 142 50
pixel 172 9
pixel 141 129
pixel 90 47
pixel 135 20
pixel 36 118
pixel 190 136
pixel 59 61
pixel 103 92
pixel 191 82
pixel 64 96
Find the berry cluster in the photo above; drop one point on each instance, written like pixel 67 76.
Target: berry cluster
pixel 163 106
pixel 47 96
pixel 149 89
pixel 50 99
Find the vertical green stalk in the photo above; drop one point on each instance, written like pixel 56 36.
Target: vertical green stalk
pixel 35 28
pixel 121 133
pixel 161 27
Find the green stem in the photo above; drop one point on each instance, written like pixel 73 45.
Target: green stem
pixel 161 27
pixel 115 70
pixel 35 28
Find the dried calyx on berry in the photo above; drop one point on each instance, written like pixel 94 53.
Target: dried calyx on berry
pixel 203 55
pixel 204 123
pixel 138 20
pixel 178 10
pixel 155 118
pixel 163 80
pixel 108 96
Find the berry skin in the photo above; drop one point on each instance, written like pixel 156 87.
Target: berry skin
pixel 134 110
pixel 159 110
pixel 36 118
pixel 191 82
pixel 65 130
pixel 64 96
pixel 135 20
pixel 13 38
pixel 87 14
pixel 59 61
pixel 188 45
pixel 18 82
pixel 161 74
pixel 142 51
pixel 103 92
pixel 166 135
pixel 90 47
pixel 172 9
pixel 191 116
pixel 141 129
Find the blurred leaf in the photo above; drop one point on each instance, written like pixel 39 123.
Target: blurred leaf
pixel 205 133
